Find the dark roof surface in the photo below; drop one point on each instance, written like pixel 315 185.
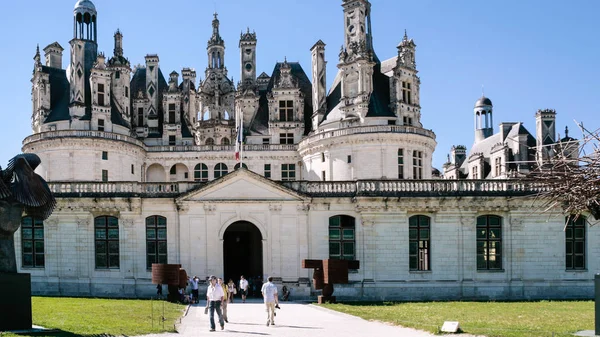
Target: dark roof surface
pixel 483 101
pixel 59 94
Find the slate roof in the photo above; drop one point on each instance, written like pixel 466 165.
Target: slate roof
pixel 262 116
pixel 59 94
pixel 138 82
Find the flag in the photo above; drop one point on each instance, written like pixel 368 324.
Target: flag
pixel 239 138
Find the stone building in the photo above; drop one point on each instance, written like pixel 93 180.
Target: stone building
pixel 144 170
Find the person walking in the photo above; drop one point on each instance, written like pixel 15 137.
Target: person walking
pixel 243 288
pixel 231 290
pixel 214 298
pixel 224 302
pixel 269 293
pixel 194 281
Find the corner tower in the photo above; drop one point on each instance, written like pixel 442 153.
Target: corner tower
pixel 407 85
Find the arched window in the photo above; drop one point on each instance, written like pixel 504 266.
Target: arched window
pixel 173 170
pixel 106 239
pixel 32 242
pixel 201 172
pixel 156 240
pixel 341 237
pixel 210 141
pixel 575 243
pixel 237 166
pixel 220 170
pixel 489 242
pixel 225 141
pixel 419 236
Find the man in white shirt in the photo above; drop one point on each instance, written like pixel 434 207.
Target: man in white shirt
pixel 269 292
pixel 214 298
pixel 243 288
pixel 194 282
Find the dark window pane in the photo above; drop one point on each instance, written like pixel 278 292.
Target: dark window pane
pixel 413 262
pixel 579 233
pixel 26 222
pixel 162 259
pixel 334 248
pixel 162 234
pixel 27 233
pixel 162 247
pixel 113 233
pixel 100 234
pixel 101 247
pixel 412 234
pixel 334 234
pixel 28 260
pixel 494 221
pixel 569 247
pixel 151 233
pixel 579 247
pixel 348 234
pixel 424 234
pixel 495 233
pixel 481 262
pixel 39 247
pixel 113 247
pixel 162 221
pixel 482 234
pixel 38 233
pixel 27 247
pixel 481 221
pixel 412 221
pixel 412 248
pixel 579 262
pixel 569 261
pixel 349 248
pixel 150 221
pixel 113 222
pixel 101 261
pixel 99 222
pixel 334 221
pixel 151 247
pixel 569 233
pixel 39 260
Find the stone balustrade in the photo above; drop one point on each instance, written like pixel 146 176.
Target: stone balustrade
pixel 383 188
pixel 366 129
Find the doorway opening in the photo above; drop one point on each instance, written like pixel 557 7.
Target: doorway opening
pixel 242 255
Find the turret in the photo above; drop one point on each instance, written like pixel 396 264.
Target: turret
pixel 319 83
pixel 152 92
pixel 216 47
pixel 407 85
pixel 483 119
pixel 100 82
pixel 248 58
pixel 121 84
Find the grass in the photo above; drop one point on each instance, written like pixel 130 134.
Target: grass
pixel 92 316
pixel 492 319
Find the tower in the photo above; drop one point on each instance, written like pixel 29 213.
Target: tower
pixel 483 119
pixel 248 58
pixel 216 47
pixel 319 83
pixel 120 85
pixel 545 134
pixel 356 60
pixel 53 53
pixel 406 85
pixel 84 49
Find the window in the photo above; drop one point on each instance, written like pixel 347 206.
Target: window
pixel 106 240
pixel 417 165
pixel 101 125
pixel 118 74
pixel 323 176
pixel 100 94
pixel 225 141
pixel 288 172
pixel 406 92
pixel 201 172
pixel 322 157
pixel 475 171
pixel 268 171
pixel 172 140
pixel 104 175
pixel 126 91
pixel 171 113
pixel 575 243
pixel 220 170
pixel 419 234
pixel 286 138
pixel 173 170
pixel 104 155
pixel 210 141
pixel 400 163
pixel 497 166
pixel 286 111
pixel 140 117
pixel 489 242
pixel 32 242
pixel 349 159
pixel 156 240
pixel 265 141
pixel 407 120
pixel 132 169
pixel 341 237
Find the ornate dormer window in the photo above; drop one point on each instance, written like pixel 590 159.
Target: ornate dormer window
pixel 286 110
pixel 100 94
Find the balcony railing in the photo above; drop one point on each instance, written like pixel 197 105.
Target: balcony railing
pixel 367 129
pixel 81 133
pixel 374 188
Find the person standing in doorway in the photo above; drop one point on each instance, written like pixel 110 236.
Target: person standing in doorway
pixel 231 290
pixel 214 297
pixel 194 282
pixel 225 297
pixel 269 293
pixel 243 288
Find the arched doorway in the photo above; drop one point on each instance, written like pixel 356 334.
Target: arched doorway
pixel 242 255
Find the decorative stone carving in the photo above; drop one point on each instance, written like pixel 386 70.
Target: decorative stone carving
pixel 210 208
pixel 275 207
pixel 127 223
pixel 82 222
pixel 51 223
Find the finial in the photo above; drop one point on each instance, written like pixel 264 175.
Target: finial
pixel 215 15
pixel 36 58
pixel 482 91
pixel 566 131
pixel 405 35
pixel 248 30
pixel 285 59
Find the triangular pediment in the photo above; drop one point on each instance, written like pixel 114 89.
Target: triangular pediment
pixel 242 185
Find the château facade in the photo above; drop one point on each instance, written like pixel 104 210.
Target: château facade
pixel 144 171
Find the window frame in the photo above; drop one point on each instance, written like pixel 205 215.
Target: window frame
pixel 286 138
pixel 153 223
pixel 417 165
pixel 288 172
pixel 400 163
pixel 345 224
pixel 103 223
pixel 220 170
pixel 571 239
pixel 419 224
pixel 201 172
pixel 267 171
pixel 286 110
pixel 485 223
pixel 37 254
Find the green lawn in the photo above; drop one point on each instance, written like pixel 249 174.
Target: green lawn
pixel 492 319
pixel 91 316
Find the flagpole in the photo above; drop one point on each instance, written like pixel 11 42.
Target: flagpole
pixel 241 140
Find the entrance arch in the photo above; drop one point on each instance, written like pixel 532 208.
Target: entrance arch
pixel 243 254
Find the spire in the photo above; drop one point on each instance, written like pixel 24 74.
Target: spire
pixel 37 57
pixel 566 132
pixel 118 51
pixel 216 37
pixel 405 35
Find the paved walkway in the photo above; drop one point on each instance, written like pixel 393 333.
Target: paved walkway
pixel 292 320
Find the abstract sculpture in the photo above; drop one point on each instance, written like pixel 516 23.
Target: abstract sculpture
pixel 21 190
pixel 327 272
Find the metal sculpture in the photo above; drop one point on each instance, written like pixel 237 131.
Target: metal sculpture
pixel 327 272
pixel 21 190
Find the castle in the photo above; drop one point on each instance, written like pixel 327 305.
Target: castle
pixel 252 177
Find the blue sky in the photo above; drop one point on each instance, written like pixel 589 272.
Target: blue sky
pixel 529 55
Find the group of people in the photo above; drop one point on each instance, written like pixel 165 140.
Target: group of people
pixel 219 294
